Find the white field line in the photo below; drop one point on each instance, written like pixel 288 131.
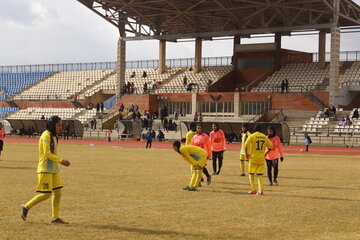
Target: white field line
pixel 175 203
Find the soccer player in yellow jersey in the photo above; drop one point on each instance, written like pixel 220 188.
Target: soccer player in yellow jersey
pixel 190 133
pixel 49 179
pixel 255 147
pixel 196 157
pixel 244 136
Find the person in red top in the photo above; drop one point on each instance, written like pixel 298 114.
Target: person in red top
pixel 2 135
pixel 218 146
pixel 202 140
pixel 272 157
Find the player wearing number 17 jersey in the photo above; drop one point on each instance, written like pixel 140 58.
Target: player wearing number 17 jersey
pixel 255 147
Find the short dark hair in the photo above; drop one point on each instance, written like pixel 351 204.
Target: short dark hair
pixel 193 126
pixel 245 125
pixel 177 144
pixel 257 128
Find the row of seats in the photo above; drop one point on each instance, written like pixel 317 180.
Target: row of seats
pixel 4 111
pixel 299 76
pixel 63 85
pixel 82 114
pixel 11 83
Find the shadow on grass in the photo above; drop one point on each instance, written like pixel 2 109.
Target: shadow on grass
pixel 139 230
pixel 300 178
pixel 324 198
pixel 17 168
pixel 232 183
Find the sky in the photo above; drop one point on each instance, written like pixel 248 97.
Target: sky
pixel 65 31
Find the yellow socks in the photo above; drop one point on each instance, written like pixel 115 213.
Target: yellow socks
pixel 37 199
pixel 195 178
pixel 252 181
pixel 56 203
pixel 260 182
pixel 242 166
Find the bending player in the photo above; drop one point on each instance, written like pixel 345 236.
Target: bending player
pixel 202 140
pixel 272 157
pixel 255 147
pixel 244 136
pixel 49 179
pixel 197 158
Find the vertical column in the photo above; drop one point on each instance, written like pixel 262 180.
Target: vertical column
pixel 162 56
pixel 236 104
pixel 121 65
pixel 334 66
pixel 322 44
pixel 198 48
pixel 278 51
pixel 237 41
pixel 193 103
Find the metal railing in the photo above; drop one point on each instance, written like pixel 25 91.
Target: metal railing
pixel 276 88
pixel 61 67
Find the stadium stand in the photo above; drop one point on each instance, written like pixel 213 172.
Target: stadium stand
pixel 63 85
pixel 4 111
pixel 200 80
pixel 11 83
pixel 80 114
pixel 351 75
pixel 300 76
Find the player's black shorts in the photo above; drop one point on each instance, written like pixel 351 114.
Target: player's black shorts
pixel 217 155
pixel 1 145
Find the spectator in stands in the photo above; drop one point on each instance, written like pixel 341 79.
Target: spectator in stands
pixel 327 112
pixel 148 115
pixel 348 121
pixel 108 135
pixel 132 88
pixel 153 134
pixel 196 117
pixel 170 123
pixel 42 117
pixel 282 86
pixel 190 69
pixel 121 109
pixel 286 85
pixel 154 85
pixel 145 123
pixel 2 135
pixel 94 124
pixel 333 111
pixel 91 123
pixel 148 138
pixel 144 74
pixel 176 114
pixel 97 107
pixel 185 81
pixel 155 115
pixel 160 135
pixel 355 114
pixel 145 88
pixel 132 75
pixel 307 142
pixel 200 117
pixel 165 124
pixel 342 122
pixel 102 107
pixel 174 126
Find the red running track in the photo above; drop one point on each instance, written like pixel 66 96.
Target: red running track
pixel 142 144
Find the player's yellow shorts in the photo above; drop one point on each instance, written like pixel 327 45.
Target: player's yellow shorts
pixel 47 182
pixel 256 168
pixel 243 157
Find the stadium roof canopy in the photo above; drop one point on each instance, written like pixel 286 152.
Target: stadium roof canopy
pixel 178 19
